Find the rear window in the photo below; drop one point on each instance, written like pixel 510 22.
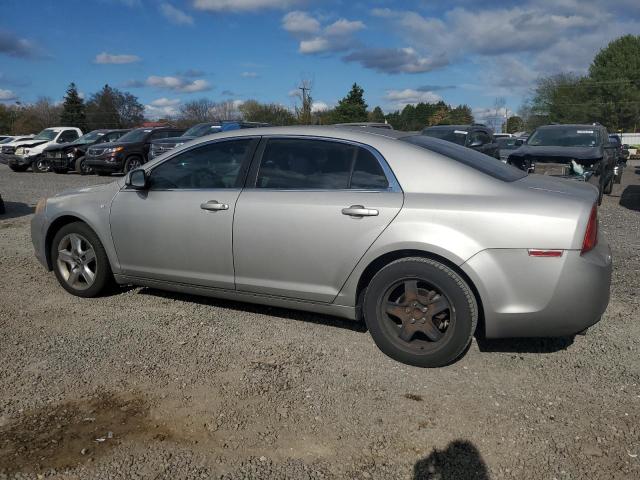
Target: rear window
pixel 476 160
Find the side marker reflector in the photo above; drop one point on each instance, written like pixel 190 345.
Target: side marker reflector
pixel 545 253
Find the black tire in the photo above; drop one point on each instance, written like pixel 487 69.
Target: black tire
pixel 435 285
pixel 609 188
pixel 19 168
pixel 40 165
pixel 102 173
pixel 103 275
pixel 60 170
pixel 132 163
pixel 81 167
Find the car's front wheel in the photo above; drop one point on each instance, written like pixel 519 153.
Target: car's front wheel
pixel 420 312
pixel 40 165
pixel 82 168
pixel 132 163
pixel 79 261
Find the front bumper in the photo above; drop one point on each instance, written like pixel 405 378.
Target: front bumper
pixel 38 233
pixel 18 161
pixel 526 296
pixel 101 164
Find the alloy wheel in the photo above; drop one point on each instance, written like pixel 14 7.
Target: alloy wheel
pixel 417 314
pixel 77 261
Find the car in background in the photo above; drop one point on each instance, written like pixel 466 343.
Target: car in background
pixel 421 238
pixel 477 137
pixel 507 145
pixel 28 153
pixel 158 147
pixel 622 154
pixel 4 137
pixel 127 153
pixel 578 152
pixel 70 156
pixel 386 126
pixel 8 145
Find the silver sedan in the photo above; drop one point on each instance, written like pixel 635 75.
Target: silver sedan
pixel 424 240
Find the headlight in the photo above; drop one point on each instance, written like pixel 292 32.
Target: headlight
pixel 114 150
pixel 19 151
pixel 70 155
pixel 41 205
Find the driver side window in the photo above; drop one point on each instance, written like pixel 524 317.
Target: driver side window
pixel 215 165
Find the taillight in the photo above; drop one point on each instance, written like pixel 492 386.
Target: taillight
pixel 591 234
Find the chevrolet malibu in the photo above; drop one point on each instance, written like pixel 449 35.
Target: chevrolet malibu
pixel 424 240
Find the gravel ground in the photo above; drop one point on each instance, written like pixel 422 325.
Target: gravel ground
pixel 145 384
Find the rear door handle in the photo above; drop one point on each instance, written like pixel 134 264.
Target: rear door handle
pixel 359 211
pixel 214 206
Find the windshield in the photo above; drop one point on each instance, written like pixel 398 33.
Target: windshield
pixel 200 130
pixel 89 137
pixel 448 134
pixel 564 137
pixel 508 143
pixel 476 160
pixel 136 135
pixel 46 134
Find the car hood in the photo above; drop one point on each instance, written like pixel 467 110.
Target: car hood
pixel 559 154
pixel 29 143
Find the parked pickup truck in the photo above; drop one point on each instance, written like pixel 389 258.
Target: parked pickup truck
pixel 28 153
pixel 71 156
pixel 576 152
pixel 128 152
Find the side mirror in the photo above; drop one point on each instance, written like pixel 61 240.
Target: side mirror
pixel 137 179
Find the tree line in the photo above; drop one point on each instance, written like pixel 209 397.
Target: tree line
pixel 609 93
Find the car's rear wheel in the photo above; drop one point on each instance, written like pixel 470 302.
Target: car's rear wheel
pixel 19 168
pixel 40 165
pixel 609 188
pixel 82 168
pixel 132 163
pixel 79 261
pixel 420 312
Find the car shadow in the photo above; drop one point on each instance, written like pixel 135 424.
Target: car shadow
pixel 459 460
pixel 285 313
pixel 524 345
pixel 630 197
pixel 16 210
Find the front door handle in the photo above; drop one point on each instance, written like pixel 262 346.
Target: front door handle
pixel 214 206
pixel 359 211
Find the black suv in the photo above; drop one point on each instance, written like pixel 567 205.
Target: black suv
pixel 71 156
pixel 578 152
pixel 129 152
pixel 158 147
pixel 477 137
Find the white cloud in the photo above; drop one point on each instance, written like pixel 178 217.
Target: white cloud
pixel 396 60
pixel 243 5
pixel 175 15
pixel 314 38
pixel 319 107
pixel 249 75
pixel 166 102
pixel 297 22
pixel 178 84
pixel 7 95
pixel 106 58
pixel 398 99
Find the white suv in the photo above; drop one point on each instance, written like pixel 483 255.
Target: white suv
pixel 28 153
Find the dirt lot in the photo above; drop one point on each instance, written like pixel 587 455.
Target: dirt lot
pixel 145 384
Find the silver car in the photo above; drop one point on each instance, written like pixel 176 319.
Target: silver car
pixel 425 240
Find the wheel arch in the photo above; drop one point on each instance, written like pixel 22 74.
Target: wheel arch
pixel 385 259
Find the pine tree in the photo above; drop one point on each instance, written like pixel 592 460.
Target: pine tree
pixel 376 115
pixel 73 109
pixel 351 108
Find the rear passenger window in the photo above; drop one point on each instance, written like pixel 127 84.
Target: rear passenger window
pixel 367 172
pixel 301 164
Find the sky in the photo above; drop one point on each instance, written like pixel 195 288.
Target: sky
pixel 170 52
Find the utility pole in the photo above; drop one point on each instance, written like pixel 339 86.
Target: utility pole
pixel 305 111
